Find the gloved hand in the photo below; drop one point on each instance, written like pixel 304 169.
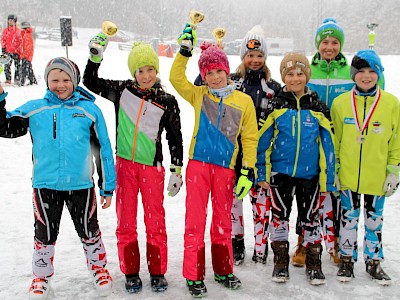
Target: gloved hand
pixel 244 183
pixel 175 181
pixel 188 39
pixel 97 45
pixel 392 180
pixel 5 59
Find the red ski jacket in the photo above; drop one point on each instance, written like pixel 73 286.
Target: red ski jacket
pixel 26 49
pixel 11 39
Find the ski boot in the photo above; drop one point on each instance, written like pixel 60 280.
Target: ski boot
pixel 346 269
pixel 158 283
pixel 281 261
pixel 299 256
pixel 39 288
pixel 102 281
pixel 334 252
pixel 313 264
pixel 374 269
pixel 238 250
pixel 230 281
pixel 197 288
pixel 133 283
pixel 260 257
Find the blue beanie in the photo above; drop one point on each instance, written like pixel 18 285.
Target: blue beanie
pixel 329 28
pixel 366 59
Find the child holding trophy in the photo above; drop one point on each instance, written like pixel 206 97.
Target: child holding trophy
pixel 143 111
pixel 221 115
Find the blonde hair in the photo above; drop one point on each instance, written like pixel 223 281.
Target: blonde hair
pixel 241 71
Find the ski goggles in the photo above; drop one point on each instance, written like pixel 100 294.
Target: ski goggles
pixel 253 44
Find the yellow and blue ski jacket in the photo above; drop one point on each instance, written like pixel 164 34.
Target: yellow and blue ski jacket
pixel 218 121
pixel 296 140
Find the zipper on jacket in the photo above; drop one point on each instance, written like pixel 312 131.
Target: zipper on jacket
pixel 359 162
pixel 54 126
pixel 140 113
pixel 298 134
pixel 327 85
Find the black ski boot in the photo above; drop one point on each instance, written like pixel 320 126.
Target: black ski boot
pixel 259 257
pixel 230 281
pixel 197 288
pixel 346 269
pixel 238 250
pixel 313 264
pixel 281 261
pixel 133 283
pixel 158 283
pixel 374 269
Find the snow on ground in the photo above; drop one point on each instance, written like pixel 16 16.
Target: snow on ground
pixel 72 281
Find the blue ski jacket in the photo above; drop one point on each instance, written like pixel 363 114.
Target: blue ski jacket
pixel 296 140
pixel 65 137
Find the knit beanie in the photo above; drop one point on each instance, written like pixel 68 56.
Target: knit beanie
pixel 68 66
pixel 141 55
pixel 253 40
pixel 292 61
pixel 212 58
pixel 366 59
pixel 329 28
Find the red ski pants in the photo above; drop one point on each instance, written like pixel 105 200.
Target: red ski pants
pixel 201 180
pixel 133 177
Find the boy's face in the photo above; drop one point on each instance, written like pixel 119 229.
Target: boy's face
pixel 366 79
pixel 11 22
pixel 329 48
pixel 60 83
pixel 296 81
pixel 216 79
pixel 254 60
pixel 146 76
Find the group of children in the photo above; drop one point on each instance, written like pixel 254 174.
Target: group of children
pixel 250 136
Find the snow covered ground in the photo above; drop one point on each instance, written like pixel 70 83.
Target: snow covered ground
pixel 72 281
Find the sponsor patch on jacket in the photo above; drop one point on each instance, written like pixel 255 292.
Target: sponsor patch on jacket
pixel 377 127
pixel 76 115
pixel 308 122
pixel 349 121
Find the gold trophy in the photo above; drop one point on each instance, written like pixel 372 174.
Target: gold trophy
pixel 195 17
pixel 109 29
pixel 219 33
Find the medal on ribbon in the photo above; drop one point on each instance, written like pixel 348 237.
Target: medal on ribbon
pixel 362 137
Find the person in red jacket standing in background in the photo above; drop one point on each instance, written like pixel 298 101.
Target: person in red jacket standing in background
pixel 10 44
pixel 26 54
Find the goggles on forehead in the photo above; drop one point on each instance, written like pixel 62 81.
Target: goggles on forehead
pixel 253 44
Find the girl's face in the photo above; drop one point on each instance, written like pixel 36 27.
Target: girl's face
pixel 329 48
pixel 60 83
pixel 254 60
pixel 366 79
pixel 216 79
pixel 295 81
pixel 146 76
